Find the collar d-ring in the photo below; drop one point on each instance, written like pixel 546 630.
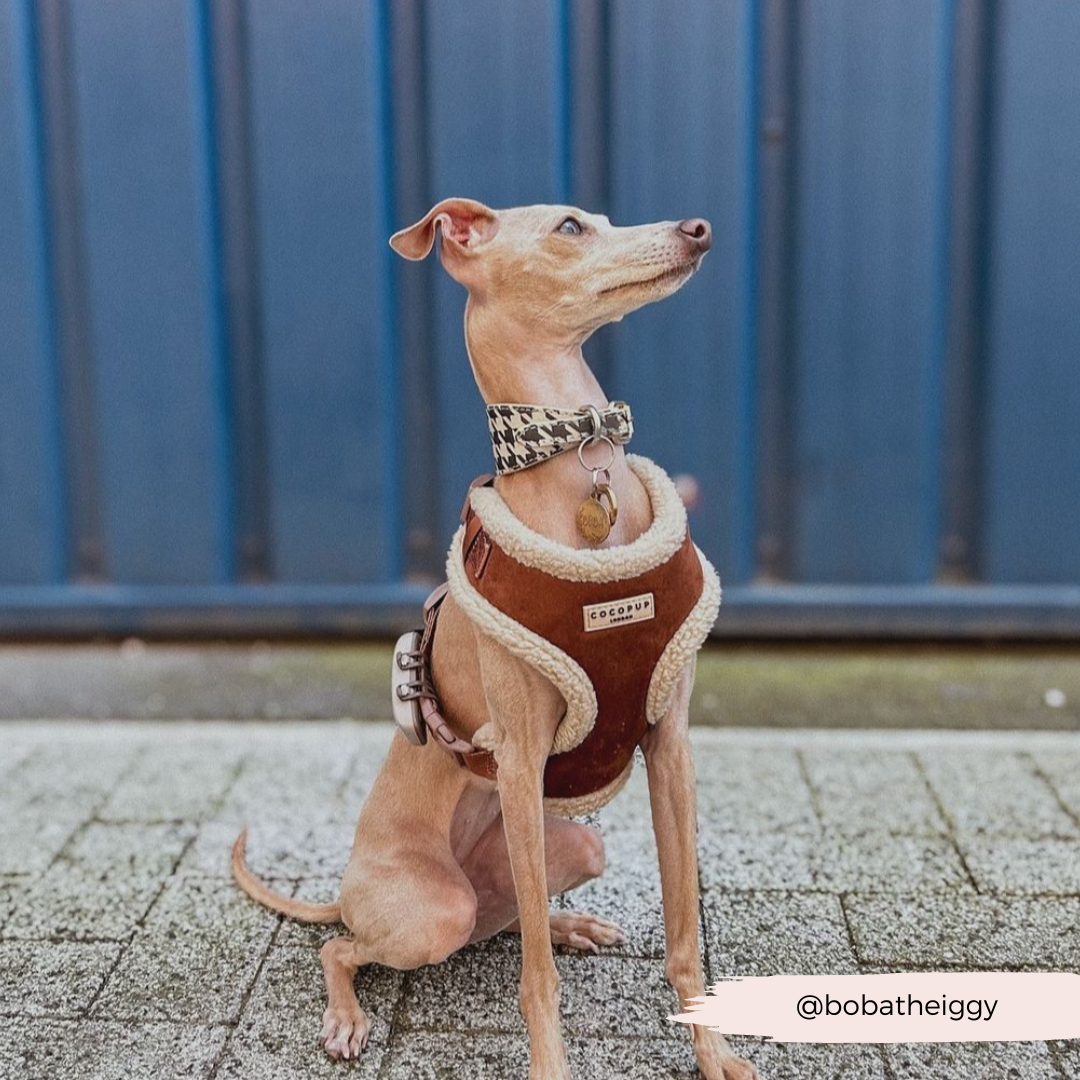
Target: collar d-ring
pixel 591 439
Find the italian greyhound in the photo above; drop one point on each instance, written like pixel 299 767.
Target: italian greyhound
pixel 443 857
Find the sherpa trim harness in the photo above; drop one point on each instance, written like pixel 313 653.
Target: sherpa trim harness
pixel 611 628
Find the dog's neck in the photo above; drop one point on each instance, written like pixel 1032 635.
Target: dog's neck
pixel 511 365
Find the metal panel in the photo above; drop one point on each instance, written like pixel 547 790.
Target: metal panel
pixel 228 407
pixel 682 145
pixel 141 141
pixel 786 611
pixel 1031 510
pixel 323 217
pixel 871 180
pixel 31 523
pixel 495 135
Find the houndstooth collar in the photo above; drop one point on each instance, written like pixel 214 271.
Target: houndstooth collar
pixel 525 435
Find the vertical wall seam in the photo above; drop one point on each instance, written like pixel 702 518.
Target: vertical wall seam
pixel 85 553
pixel 389 345
pixel 746 558
pixel 562 98
pixel 414 344
pixel 236 262
pixel 31 120
pixel 938 345
pixel 964 374
pixel 984 262
pixel 777 234
pixel 209 206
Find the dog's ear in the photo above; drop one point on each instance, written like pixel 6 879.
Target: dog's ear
pixel 465 224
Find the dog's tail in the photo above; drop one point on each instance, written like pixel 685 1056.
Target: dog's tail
pixel 283 905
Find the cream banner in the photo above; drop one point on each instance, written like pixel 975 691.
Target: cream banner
pixel 980 1006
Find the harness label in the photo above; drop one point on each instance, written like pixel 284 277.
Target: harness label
pixel 619 612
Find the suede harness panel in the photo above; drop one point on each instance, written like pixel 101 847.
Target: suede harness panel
pixel 619 660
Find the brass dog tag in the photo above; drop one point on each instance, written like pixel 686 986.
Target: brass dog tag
pixel 593 521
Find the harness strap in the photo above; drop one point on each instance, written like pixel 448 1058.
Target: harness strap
pixel 481 762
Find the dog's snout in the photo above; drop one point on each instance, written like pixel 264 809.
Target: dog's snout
pixel 697 230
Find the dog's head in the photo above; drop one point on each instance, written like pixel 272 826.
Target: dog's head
pixel 556 269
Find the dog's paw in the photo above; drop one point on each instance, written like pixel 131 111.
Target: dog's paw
pixel 716 1059
pixel 345 1032
pixel 579 930
pixel 739 1069
pixel 731 1068
pixel 727 1067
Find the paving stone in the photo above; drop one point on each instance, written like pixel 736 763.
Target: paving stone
pixel 94 1050
pixel 884 789
pixel 448 1055
pixel 13 751
pixel 815 1061
pixel 872 862
pixel 290 850
pixel 55 978
pixel 10 888
pixel 753 790
pixel 881 862
pixel 275 848
pixel 293 777
pixel 971 931
pixel 629 811
pixel 996 792
pixel 1063 772
pixel 670 1058
pixel 777 934
pixel 278 1036
pixel 182 779
pixel 53 791
pixel 102 884
pixel 326 848
pixel 740 861
pixel 628 893
pixel 775 878
pixel 70 774
pixel 311 935
pixel 435 1056
pixel 1020 866
pixel 194 957
pixel 477 989
pixel 370 743
pixel 30 841
pixel 604 996
pixel 1068 1056
pixel 972 1061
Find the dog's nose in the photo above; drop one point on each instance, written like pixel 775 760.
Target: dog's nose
pixel 698 230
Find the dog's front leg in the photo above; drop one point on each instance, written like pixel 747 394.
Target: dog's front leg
pixel 525 711
pixel 672 796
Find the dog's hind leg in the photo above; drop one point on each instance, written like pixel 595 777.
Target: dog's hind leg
pixel 573 855
pixel 405 908
pixel 345 1025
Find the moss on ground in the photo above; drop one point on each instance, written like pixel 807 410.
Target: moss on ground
pixel 888 687
pixel 991 688
pixel 947 686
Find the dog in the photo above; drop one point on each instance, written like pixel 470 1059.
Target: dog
pixel 443 857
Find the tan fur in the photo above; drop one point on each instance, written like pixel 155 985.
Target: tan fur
pixel 283 905
pixel 442 857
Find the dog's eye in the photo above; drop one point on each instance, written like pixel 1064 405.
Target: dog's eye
pixel 570 227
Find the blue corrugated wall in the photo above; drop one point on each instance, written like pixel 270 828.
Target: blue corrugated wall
pixel 224 407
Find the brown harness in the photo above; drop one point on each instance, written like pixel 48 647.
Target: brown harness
pixel 632 620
